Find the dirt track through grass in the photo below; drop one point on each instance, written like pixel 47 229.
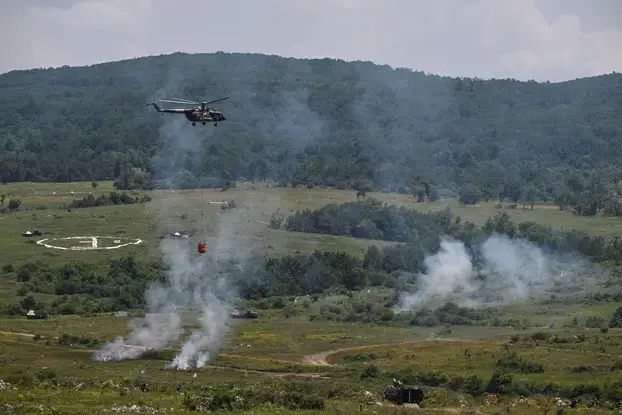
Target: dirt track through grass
pixel 318 359
pixel 321 358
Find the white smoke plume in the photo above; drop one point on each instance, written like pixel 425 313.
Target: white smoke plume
pixel 450 269
pixel 514 267
pixel 194 287
pixel 506 270
pixel 197 291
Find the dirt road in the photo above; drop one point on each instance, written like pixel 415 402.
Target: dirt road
pixel 321 358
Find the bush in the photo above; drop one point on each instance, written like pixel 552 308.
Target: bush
pixel 299 401
pixel 594 322
pixel 540 336
pixel 369 372
pixel 75 341
pixel 113 198
pixel 512 363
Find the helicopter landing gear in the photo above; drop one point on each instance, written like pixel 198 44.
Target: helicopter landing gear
pixel 215 124
pixel 203 123
pixel 194 123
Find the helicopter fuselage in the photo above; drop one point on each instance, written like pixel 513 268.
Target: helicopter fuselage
pixel 202 113
pixel 204 116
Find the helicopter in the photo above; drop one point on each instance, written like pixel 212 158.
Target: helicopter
pixel 201 112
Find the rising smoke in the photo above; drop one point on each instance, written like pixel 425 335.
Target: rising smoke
pixel 198 291
pixel 500 271
pixel 194 287
pixel 297 122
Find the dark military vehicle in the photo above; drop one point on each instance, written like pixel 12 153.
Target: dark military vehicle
pixel 180 234
pixel 400 394
pixel 227 205
pixel 244 314
pixel 37 315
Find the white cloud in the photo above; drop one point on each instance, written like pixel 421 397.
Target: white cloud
pixel 485 38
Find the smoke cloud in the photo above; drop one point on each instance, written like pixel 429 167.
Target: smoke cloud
pixel 297 122
pixel 501 270
pixel 194 287
pixel 198 291
pixel 449 270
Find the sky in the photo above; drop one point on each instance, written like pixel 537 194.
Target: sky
pixel 553 40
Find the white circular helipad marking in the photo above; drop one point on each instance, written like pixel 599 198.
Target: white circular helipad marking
pixel 89 242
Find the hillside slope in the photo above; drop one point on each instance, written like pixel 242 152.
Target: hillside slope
pixel 308 121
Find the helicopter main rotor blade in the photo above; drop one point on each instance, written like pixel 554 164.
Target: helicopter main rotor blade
pixel 216 100
pixel 179 102
pixel 185 100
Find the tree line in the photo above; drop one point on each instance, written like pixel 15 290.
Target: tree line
pixel 318 122
pixel 369 219
pixel 373 219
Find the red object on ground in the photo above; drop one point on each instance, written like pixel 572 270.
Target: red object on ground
pixel 202 248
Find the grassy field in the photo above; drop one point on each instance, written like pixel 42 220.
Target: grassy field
pixel 44 374
pixel 276 362
pixel 293 339
pixel 594 358
pixel 171 211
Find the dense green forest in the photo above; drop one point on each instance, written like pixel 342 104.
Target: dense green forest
pixel 317 122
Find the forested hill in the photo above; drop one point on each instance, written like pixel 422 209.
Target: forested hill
pixel 319 121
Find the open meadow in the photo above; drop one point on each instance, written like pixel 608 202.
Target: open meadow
pixel 172 211
pixel 288 359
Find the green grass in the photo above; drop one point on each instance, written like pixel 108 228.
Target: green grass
pixel 123 221
pixel 168 212
pixel 39 195
pixel 86 385
pixel 181 210
pixel 290 200
pixel 266 337
pixel 29 189
pixel 272 353
pixel 559 360
pixel 260 354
